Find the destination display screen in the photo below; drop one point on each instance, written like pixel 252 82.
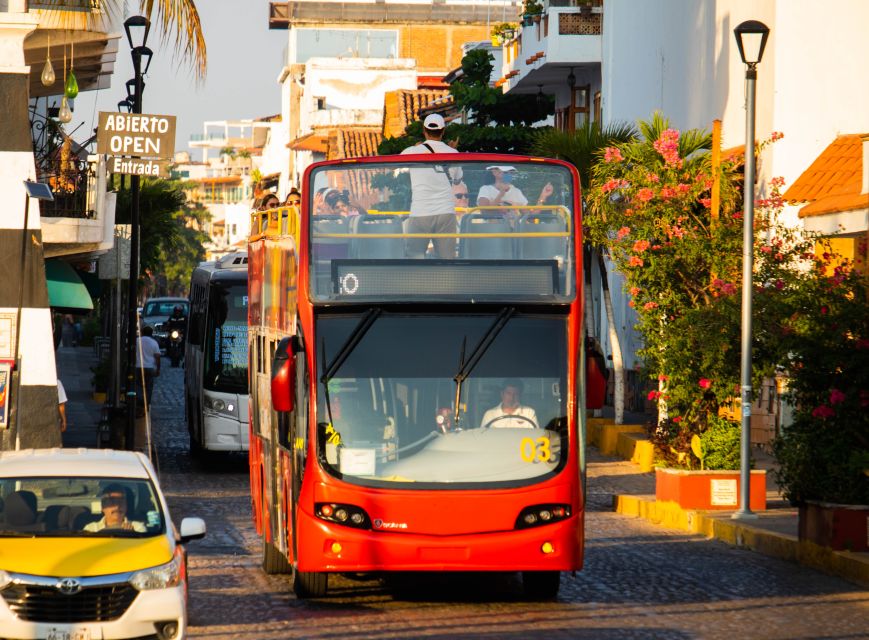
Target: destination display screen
pixel 412 278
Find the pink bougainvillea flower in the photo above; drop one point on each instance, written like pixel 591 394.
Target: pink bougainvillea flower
pixel 635 290
pixel 635 262
pixel 612 154
pixel 623 232
pixel 667 193
pixel 650 305
pixel 611 184
pixel 645 194
pixel 641 245
pixel 823 411
pixel 653 395
pixel 777 182
pixel 776 135
pixel 683 188
pixel 677 419
pixel 824 310
pixel 836 396
pixel 663 378
pixel 652 177
pixel 706 202
pixel 779 284
pixel 705 383
pixel 766 249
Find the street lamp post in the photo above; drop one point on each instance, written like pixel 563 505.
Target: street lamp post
pixel 751 38
pixel 137 26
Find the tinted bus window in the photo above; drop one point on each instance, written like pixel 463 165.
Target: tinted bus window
pixel 226 349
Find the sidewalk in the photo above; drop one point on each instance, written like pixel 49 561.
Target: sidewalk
pixel 774 532
pixel 82 411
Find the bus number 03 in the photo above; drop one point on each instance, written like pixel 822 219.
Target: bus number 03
pixel 533 450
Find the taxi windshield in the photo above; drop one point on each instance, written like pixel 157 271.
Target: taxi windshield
pixel 79 506
pixel 442 229
pixel 442 400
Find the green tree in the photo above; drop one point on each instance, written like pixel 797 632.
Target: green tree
pixel 170 236
pixel 499 122
pixel 582 148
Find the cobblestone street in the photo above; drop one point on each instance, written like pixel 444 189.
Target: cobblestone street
pixel 640 581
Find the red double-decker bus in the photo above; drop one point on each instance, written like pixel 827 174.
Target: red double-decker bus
pixel 417 394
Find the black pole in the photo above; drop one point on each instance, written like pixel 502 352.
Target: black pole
pixel 132 299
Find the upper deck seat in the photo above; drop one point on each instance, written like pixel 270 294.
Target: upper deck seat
pixel 541 248
pixel 377 247
pixel 498 248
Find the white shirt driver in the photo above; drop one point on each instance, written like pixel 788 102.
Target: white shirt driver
pixel 511 421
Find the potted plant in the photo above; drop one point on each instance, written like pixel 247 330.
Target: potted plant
pixel 823 455
pixel 530 9
pixel 650 211
pixel 502 32
pixel 101 371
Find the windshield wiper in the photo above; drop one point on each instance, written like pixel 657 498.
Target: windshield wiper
pixel 344 352
pixel 466 366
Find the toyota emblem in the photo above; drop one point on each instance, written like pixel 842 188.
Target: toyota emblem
pixel 69 586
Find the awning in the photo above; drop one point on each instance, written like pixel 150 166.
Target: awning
pixel 65 288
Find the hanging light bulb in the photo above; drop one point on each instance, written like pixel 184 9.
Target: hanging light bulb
pixel 70 89
pixel 48 70
pixel 64 114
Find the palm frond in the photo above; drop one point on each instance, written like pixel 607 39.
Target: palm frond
pixel 180 18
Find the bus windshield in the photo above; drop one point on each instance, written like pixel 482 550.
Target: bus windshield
pixel 442 400
pixel 226 338
pixel 446 229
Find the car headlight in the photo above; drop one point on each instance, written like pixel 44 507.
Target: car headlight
pixel 160 577
pixel 5 579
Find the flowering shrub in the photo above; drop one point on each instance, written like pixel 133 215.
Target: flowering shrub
pixel 824 454
pixel 651 210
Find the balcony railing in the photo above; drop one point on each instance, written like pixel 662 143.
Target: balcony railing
pixel 66 5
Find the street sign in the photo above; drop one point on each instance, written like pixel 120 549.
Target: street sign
pixel 138 166
pixel 137 135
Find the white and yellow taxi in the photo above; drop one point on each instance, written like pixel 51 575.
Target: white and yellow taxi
pixel 87 548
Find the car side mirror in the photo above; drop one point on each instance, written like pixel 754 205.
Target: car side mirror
pixel 283 376
pixel 192 529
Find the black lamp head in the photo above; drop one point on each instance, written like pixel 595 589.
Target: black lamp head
pixel 137 25
pixel 751 37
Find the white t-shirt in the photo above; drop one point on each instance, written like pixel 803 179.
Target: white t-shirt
pixel 516 423
pixel 432 186
pixel 149 349
pixel 61 392
pixel 100 524
pixel 512 196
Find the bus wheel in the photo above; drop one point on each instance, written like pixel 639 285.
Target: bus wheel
pixel 273 560
pixel 541 585
pixel 310 585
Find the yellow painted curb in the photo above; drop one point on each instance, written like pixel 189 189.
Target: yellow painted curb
pixel 853 567
pixel 592 429
pixel 609 435
pixel 637 448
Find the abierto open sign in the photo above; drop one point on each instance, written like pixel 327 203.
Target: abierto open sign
pixel 136 135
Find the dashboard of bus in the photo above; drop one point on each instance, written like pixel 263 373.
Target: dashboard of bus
pixel 443 229
pixel 442 400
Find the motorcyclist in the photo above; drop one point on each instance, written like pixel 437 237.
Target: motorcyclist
pixel 176 322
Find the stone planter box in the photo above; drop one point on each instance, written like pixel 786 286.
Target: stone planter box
pixel 841 527
pixel 708 490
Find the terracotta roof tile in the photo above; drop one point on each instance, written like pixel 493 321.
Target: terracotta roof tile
pixel 835 204
pixel 403 106
pixel 837 171
pixel 353 143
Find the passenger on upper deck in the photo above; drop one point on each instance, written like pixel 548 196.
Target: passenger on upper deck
pixel 433 206
pixel 294 198
pixel 502 191
pixel 339 203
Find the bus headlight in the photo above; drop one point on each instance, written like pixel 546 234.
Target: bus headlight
pixel 221 406
pixel 160 577
pixel 542 514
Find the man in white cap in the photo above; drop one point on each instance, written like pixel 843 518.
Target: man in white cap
pixel 433 206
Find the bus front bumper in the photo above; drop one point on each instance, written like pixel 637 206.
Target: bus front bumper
pixel 327 547
pixel 225 434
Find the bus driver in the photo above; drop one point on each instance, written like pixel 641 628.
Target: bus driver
pixel 510 412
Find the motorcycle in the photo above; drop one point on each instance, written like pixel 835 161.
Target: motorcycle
pixel 175 349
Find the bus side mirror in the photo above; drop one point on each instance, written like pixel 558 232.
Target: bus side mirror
pixel 283 376
pixel 595 376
